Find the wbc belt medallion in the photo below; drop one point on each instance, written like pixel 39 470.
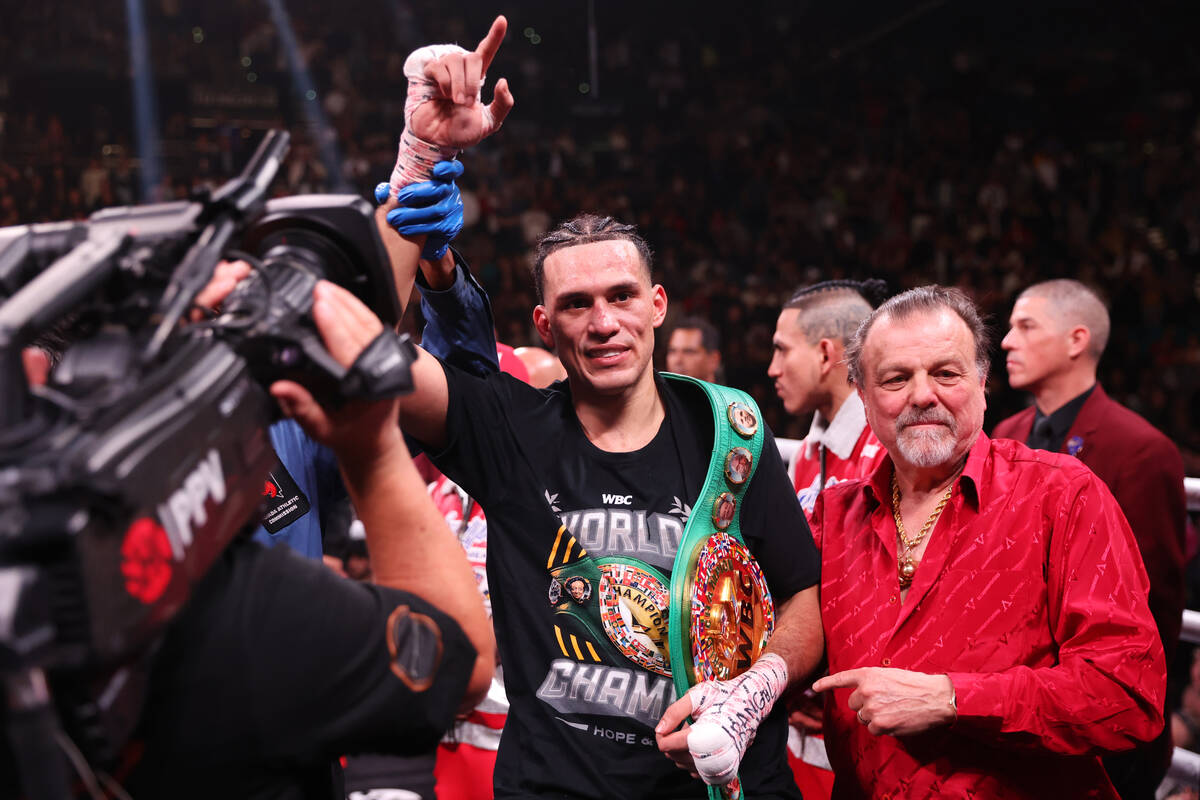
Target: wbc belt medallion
pixel 633 610
pixel 732 613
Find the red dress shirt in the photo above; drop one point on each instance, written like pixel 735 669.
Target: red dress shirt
pixel 1031 596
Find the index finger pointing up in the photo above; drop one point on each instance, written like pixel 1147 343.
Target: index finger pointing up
pixel 491 43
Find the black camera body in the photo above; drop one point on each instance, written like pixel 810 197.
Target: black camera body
pixel 144 455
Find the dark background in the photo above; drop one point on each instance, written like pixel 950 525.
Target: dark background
pixel 759 147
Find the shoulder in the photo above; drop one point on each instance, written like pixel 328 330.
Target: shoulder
pixel 1126 424
pixel 1125 447
pixel 1013 466
pixel 1010 427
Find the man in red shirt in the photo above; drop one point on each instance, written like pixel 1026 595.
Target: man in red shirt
pixel 984 604
pixel 809 371
pixel 1056 337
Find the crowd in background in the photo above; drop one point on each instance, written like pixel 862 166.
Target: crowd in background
pixel 757 151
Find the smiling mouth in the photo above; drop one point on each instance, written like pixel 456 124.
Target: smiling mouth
pixel 607 355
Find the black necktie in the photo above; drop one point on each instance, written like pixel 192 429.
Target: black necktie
pixel 1040 436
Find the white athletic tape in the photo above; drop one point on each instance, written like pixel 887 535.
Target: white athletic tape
pixel 727 715
pixel 416 158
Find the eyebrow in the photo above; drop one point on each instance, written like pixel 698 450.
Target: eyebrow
pixel 951 361
pixel 627 286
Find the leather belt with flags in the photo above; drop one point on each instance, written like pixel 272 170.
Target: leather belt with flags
pixel 721 611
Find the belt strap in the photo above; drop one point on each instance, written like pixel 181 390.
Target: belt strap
pixel 737 445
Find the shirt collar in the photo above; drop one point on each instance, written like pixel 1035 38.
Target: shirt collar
pixel 1062 419
pixel 879 485
pixel 840 435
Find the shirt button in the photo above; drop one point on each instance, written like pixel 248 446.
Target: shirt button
pixel 886 797
pixel 887 662
pixel 892 599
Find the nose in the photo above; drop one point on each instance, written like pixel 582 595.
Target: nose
pixel 773 369
pixel 604 320
pixel 922 394
pixel 1009 340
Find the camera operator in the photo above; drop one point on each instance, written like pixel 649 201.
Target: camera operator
pixel 277 666
pixel 305 490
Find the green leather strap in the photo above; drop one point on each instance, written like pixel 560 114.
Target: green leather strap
pixel 727 404
pixel 700 522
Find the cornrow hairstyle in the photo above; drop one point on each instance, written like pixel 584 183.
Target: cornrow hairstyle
pixel 873 290
pixel 834 309
pixel 585 229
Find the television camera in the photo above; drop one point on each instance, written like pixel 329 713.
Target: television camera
pixel 126 475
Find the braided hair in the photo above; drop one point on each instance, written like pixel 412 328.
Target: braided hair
pixel 585 229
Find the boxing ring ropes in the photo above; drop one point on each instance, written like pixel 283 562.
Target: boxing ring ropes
pixel 1185 765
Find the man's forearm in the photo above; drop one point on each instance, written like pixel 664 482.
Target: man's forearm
pixel 798 638
pixel 403 254
pixel 412 549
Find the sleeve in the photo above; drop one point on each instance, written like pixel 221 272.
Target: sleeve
pixel 459 326
pixel 1150 491
pixel 1105 693
pixel 775 529
pixel 343 667
pixel 481 454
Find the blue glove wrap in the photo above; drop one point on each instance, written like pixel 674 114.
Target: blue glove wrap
pixel 433 208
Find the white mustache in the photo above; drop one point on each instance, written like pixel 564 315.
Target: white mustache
pixel 925 416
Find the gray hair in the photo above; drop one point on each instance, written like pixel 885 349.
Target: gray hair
pixel 923 299
pixel 1075 304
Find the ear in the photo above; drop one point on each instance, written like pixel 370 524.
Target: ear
pixel 1078 339
pixel 541 321
pixel 831 355
pixel 659 300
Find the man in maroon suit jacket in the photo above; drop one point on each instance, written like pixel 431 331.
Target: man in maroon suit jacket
pixel 1057 334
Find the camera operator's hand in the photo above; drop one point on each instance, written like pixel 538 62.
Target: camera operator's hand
pixel 432 209
pixel 408 542
pixel 444 113
pixel 358 429
pixel 225 277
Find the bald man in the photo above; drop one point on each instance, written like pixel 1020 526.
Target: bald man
pixel 543 367
pixel 1058 330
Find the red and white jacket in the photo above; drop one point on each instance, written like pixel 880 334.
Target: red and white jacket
pixel 851 451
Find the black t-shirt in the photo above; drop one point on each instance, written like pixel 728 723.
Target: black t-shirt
pixel 582 721
pixel 278 666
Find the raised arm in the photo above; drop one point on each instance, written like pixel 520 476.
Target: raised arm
pixel 409 544
pixel 443 115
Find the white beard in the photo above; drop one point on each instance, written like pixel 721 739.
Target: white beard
pixel 926 448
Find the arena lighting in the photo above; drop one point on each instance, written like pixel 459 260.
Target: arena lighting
pixel 145 112
pixel 320 132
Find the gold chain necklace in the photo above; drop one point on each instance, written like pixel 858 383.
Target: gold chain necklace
pixel 905 566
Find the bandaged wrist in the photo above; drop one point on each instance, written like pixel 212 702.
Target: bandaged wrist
pixel 727 715
pixel 415 160
pixel 416 157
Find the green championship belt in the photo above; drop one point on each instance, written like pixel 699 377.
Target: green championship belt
pixel 711 620
pixel 721 613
